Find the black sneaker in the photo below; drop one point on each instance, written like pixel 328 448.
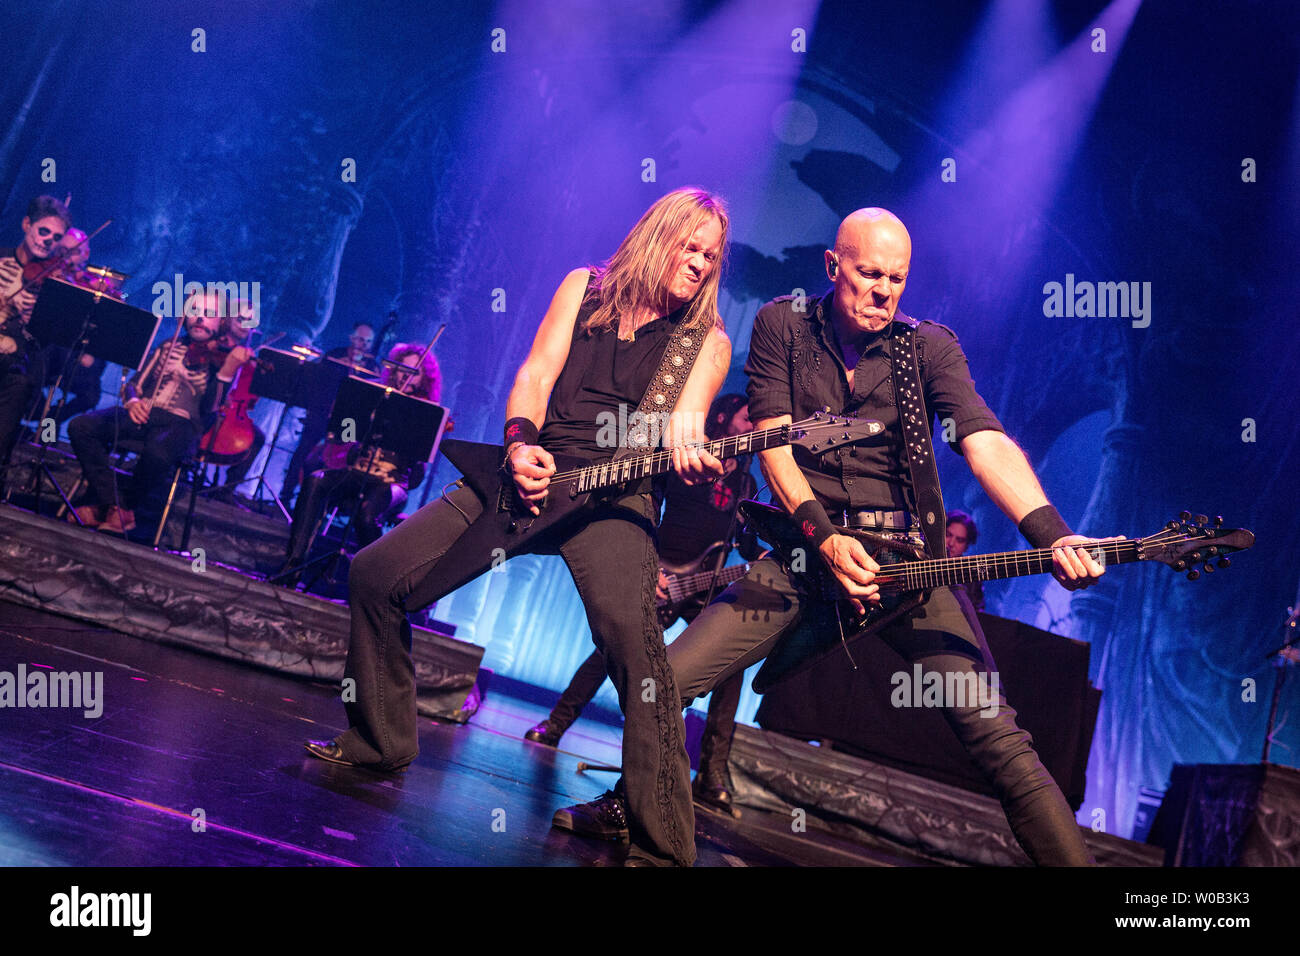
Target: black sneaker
pixel 547 733
pixel 601 819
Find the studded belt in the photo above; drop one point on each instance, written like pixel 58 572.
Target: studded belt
pixel 889 520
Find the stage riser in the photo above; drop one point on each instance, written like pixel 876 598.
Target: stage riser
pixel 845 793
pixel 159 596
pixel 228 533
pixel 1230 815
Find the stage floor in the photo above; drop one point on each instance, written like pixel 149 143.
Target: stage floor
pixel 198 761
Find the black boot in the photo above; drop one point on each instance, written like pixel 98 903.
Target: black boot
pixel 713 789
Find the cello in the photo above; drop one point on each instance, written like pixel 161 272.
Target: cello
pixel 234 435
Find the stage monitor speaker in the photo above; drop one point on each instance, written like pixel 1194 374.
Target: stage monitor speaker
pixel 1044 676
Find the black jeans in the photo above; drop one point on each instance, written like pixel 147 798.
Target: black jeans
pixel 747 620
pixel 16 389
pixel 379 499
pixel 166 440
pixel 615 565
pixel 719 726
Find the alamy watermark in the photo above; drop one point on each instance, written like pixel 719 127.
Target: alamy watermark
pixel 50 688
pixel 242 299
pixel 645 430
pixel 946 689
pixel 1101 300
pixel 77 909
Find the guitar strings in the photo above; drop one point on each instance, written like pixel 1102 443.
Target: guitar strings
pixel 663 457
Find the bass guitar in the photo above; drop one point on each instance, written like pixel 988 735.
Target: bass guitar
pixel 906 575
pixel 688 583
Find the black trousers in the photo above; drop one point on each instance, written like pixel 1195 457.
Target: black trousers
pixel 614 563
pixel 719 726
pixel 342 485
pixel 167 439
pixel 747 620
pixel 16 390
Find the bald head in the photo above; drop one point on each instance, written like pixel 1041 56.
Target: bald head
pixel 869 267
pixel 860 226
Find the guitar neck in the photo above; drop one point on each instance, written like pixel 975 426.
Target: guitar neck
pixel 944 572
pixel 633 467
pixel 685 585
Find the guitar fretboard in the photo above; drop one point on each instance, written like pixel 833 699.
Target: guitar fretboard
pixel 610 473
pixel 944 572
pixel 682 586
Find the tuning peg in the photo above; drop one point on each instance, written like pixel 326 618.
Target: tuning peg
pixel 1184 515
pixel 1218 521
pixel 1209 568
pixel 1223 562
pixel 1202 520
pixel 1195 556
pixel 1180 565
pixel 1172 526
pixel 1193 575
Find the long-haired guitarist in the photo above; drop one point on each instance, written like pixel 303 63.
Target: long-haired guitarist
pixel 697 518
pixel 838 350
pixel 594 356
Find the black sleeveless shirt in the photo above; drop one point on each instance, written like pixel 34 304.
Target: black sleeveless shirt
pixel 601 385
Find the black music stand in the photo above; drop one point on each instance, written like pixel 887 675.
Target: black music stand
pixel 381 418
pixel 294 379
pixel 86 322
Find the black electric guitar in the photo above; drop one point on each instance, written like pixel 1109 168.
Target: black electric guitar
pixel 689 582
pixel 509 528
pixel 907 576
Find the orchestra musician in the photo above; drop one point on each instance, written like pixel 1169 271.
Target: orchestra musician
pixel 315 421
pixel 81 382
pixel 22 368
pixel 382 479
pixel 168 402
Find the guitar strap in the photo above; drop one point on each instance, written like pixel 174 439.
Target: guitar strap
pixel 918 450
pixel 661 394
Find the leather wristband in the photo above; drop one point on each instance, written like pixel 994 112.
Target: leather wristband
pixel 1044 525
pixel 520 429
pixel 811 520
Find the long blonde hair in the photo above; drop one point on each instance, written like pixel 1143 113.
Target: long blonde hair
pixel 634 277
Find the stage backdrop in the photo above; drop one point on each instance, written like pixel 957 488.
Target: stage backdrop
pixel 450 162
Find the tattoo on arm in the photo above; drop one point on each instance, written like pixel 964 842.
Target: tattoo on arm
pixel 722 355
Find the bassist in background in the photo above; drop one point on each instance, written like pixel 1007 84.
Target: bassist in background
pixel 595 354
pixel 696 517
pixel 837 350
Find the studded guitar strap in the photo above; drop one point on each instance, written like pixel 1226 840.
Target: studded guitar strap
pixel 665 388
pixel 918 450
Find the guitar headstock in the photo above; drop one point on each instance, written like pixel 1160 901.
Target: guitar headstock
pixel 822 431
pixel 1194 539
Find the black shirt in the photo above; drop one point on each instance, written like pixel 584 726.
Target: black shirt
pixel 795 368
pixel 696 516
pixel 601 385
